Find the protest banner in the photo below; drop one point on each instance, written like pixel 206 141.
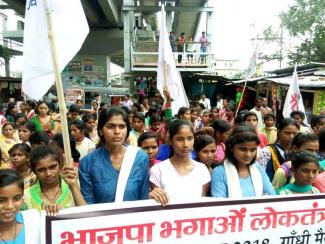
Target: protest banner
pixel 281 220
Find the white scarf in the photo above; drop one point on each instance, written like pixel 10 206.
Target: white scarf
pixel 234 188
pixel 128 160
pixel 32 224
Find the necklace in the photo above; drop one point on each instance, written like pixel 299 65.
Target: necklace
pixel 14 235
pixel 51 199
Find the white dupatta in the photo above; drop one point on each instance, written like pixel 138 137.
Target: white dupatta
pixel 32 224
pixel 234 188
pixel 128 160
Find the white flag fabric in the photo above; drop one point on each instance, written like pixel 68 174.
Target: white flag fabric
pixel 251 69
pixel 293 101
pixel 166 61
pixel 70 29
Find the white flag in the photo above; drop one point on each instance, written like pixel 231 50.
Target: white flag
pixel 251 69
pixel 293 101
pixel 166 61
pixel 70 29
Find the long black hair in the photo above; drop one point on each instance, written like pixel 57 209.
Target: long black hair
pixel 10 176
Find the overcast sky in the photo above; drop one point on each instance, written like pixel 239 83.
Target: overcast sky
pixel 237 21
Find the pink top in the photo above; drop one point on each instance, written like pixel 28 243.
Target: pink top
pixel 320 182
pixel 220 152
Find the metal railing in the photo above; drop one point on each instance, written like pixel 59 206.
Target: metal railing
pixel 10 44
pixel 188 57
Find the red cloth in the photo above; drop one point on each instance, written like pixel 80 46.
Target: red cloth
pixel 264 142
pixel 320 182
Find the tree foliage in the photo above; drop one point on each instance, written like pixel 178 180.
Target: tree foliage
pixel 305 20
pixel 4 53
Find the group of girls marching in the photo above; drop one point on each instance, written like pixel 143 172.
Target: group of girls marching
pixel 193 167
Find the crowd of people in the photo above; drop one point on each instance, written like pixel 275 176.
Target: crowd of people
pixel 139 151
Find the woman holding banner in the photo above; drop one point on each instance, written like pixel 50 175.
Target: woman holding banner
pixel 56 186
pixel 179 177
pixel 240 176
pixel 114 172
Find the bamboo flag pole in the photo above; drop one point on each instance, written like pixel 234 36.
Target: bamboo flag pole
pixel 59 87
pixel 241 98
pixel 165 75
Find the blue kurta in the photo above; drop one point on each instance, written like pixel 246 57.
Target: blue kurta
pixel 98 178
pixel 219 183
pixel 20 238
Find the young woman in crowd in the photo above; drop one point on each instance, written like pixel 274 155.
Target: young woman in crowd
pixel 23 108
pixel 30 107
pixel 205 118
pixel 13 223
pixel 214 113
pixel 222 110
pixel 252 119
pixel 301 142
pixel 56 185
pixel 196 123
pixel 269 129
pixel 299 116
pixel 101 170
pixel 148 141
pixel 43 120
pixel 222 130
pixel 240 175
pixel 184 113
pixel 91 127
pixel 19 155
pixel 25 130
pixel 138 128
pixel 272 156
pixel 305 169
pixel 205 148
pixel 11 112
pixel 7 140
pixel 83 144
pixel 179 177
pixel 230 114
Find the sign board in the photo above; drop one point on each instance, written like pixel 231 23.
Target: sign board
pixel 281 220
pixel 74 93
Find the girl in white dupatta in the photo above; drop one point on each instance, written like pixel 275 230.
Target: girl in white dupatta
pixel 239 176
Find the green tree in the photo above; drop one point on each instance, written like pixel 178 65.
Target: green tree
pixel 305 20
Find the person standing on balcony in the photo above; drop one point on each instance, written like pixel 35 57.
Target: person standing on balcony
pixel 180 46
pixel 204 43
pixel 172 40
pixel 190 48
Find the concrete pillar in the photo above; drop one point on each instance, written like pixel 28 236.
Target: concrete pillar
pixel 209 30
pixel 108 69
pixel 7 66
pixel 128 27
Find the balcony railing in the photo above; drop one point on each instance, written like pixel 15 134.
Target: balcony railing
pixel 189 57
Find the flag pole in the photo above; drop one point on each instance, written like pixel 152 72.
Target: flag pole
pixel 241 98
pixel 59 87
